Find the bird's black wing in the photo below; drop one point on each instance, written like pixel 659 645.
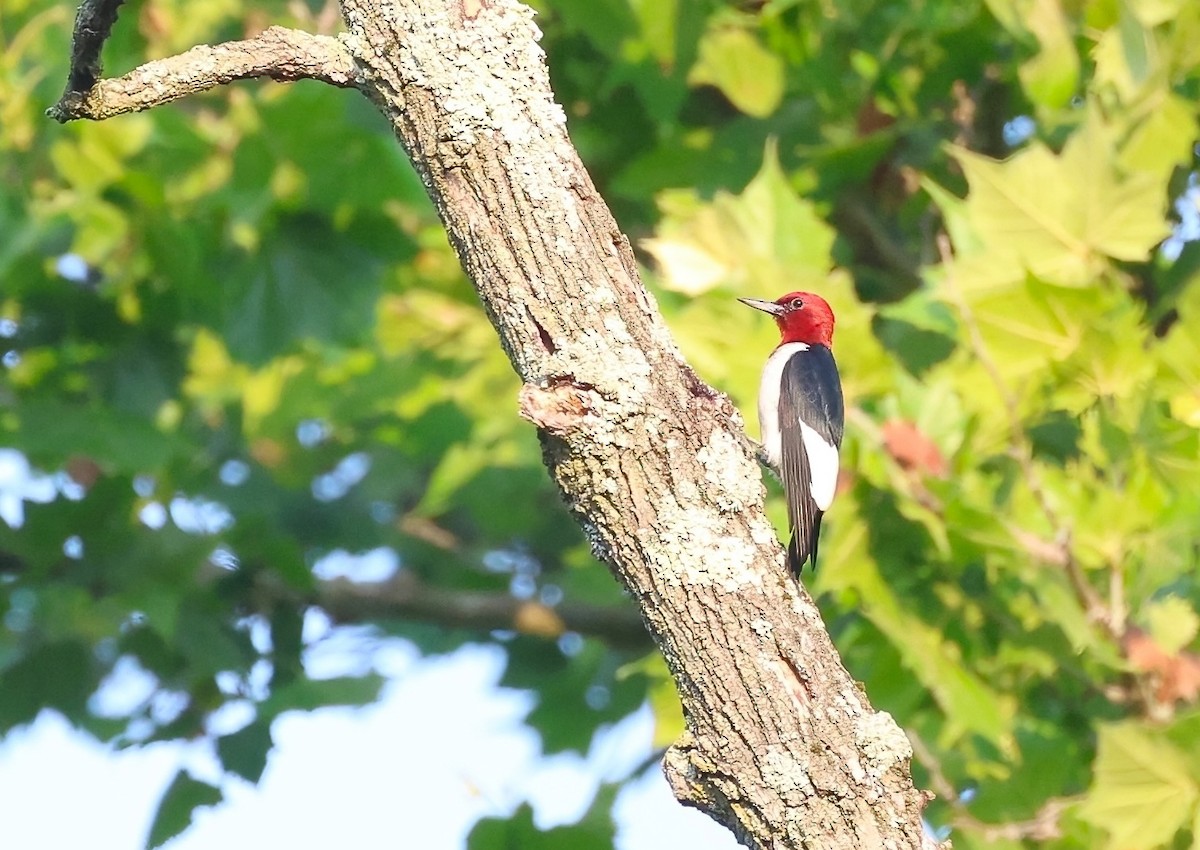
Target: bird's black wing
pixel 810 391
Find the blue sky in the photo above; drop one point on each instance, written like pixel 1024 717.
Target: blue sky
pixel 441 748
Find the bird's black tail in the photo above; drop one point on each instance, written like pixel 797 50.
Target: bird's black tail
pixel 800 551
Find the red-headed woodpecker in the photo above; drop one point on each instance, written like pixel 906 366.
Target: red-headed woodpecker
pixel 801 414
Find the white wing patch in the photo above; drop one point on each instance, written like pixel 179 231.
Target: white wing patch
pixel 823 463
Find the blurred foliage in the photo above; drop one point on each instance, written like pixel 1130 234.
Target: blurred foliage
pixel 227 355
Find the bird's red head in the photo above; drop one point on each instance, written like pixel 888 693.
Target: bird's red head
pixel 801 316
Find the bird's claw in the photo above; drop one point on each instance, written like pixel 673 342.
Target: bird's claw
pixel 760 454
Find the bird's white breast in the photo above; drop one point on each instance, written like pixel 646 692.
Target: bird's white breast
pixel 768 398
pixel 823 456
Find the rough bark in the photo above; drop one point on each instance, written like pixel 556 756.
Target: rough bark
pixel 782 746
pixel 277 52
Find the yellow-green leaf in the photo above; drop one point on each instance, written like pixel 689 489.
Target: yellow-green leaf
pixel 767 235
pixel 1051 77
pixel 1061 216
pixel 734 61
pixel 1151 13
pixel 1173 623
pixel 1163 141
pixel 213 377
pixel 1179 360
pixel 657 20
pixel 1143 790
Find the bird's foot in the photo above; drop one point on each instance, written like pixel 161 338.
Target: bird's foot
pixel 760 454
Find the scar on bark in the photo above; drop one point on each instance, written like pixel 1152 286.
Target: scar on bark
pixel 557 405
pixel 543 334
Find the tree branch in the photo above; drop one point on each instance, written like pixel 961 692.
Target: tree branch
pixel 93 24
pixel 282 54
pixel 1043 826
pixel 406 597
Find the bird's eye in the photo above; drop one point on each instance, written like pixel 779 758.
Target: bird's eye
pixel 796 304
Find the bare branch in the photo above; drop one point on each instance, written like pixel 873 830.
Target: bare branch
pixel 282 54
pixel 93 23
pixel 1043 826
pixel 406 597
pixel 924 755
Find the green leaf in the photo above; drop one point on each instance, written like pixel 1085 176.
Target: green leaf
pixel 1178 357
pixel 179 801
pixel 97 156
pixel 1009 14
pixel 1055 436
pixel 52 431
pixel 307 281
pixel 1051 758
pixel 55 675
pixel 1061 216
pixel 957 218
pixel 593 832
pixel 967 702
pixel 776 221
pixel 734 61
pixel 606 24
pixel 1028 325
pixel 311 694
pixel 1051 76
pixel 1184 733
pixel 1164 141
pixel 207 640
pixel 1151 13
pixel 919 331
pixel 576 694
pixel 245 752
pixel 657 20
pixel 290 137
pixel 1143 791
pixel 1123 56
pixel 661 695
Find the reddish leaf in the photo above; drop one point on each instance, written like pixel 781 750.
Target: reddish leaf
pixel 912 449
pixel 83 470
pixel 1144 654
pixel 1177 676
pixel 1182 679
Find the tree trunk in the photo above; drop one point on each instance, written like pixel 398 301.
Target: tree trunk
pixel 782 746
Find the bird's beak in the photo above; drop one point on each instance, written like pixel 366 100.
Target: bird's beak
pixel 759 304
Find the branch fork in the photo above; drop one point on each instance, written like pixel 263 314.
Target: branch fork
pixel 279 53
